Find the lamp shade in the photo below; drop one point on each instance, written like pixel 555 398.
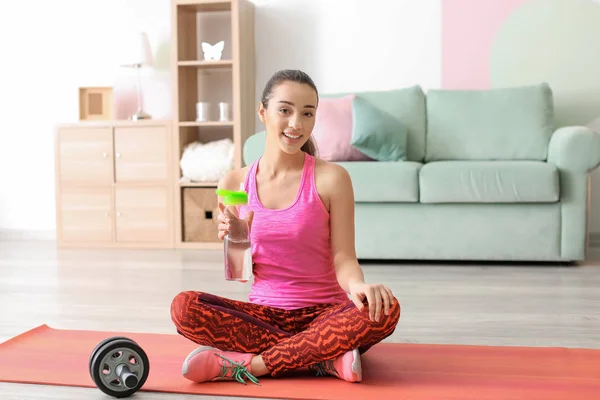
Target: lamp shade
pixel 136 50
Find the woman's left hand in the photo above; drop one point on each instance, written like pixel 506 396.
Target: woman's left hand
pixel 378 297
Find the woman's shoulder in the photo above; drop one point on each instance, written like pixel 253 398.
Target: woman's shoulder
pixel 332 180
pixel 234 178
pixel 330 172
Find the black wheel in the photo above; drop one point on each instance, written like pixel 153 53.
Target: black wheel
pixel 102 343
pixel 120 368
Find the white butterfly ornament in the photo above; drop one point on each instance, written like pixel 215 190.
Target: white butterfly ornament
pixel 213 52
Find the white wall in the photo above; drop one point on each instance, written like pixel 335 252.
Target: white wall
pixel 351 44
pixel 50 48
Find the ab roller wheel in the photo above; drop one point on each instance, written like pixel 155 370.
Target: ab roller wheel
pixel 119 366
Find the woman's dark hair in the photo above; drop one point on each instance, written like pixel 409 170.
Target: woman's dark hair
pixel 292 75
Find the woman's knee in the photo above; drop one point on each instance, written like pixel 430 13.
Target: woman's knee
pixel 395 311
pixel 388 322
pixel 180 305
pixel 374 332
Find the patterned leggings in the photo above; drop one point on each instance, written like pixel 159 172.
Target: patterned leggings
pixel 286 339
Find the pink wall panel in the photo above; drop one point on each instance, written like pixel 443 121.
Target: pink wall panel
pixel 468 29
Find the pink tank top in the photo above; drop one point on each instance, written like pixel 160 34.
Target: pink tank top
pixel 291 251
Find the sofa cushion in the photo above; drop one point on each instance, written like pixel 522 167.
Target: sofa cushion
pixel 333 128
pixel 384 181
pixel 376 133
pixel 488 182
pixel 495 124
pixel 408 106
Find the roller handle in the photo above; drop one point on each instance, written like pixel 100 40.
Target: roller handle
pixel 129 379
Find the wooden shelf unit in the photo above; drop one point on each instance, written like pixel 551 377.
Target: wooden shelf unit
pixel 230 79
pixel 211 64
pixel 207 123
pixel 198 184
pixel 114 184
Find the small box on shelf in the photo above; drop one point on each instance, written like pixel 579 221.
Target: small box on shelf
pixel 200 211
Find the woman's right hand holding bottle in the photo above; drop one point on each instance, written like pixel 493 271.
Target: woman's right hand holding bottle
pixel 226 216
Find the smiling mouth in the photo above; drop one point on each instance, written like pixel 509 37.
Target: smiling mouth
pixel 290 136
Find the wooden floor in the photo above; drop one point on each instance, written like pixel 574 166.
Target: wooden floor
pixel 131 290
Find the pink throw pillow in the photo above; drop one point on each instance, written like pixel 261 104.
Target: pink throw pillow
pixel 333 130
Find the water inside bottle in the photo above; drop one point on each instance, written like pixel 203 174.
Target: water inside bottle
pixel 238 252
pixel 238 260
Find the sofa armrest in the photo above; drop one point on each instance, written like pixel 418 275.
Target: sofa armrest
pixel 575 148
pixel 575 151
pixel 254 147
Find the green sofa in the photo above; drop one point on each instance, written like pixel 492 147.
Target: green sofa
pixel 487 176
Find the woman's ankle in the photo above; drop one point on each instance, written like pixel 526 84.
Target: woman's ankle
pixel 258 367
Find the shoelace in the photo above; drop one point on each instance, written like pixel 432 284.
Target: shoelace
pixel 324 367
pixel 238 371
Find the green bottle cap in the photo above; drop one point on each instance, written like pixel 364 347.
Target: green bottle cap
pixel 231 198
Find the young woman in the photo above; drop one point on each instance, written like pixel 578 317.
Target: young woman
pixel 309 304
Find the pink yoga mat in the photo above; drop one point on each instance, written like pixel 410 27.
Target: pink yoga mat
pixel 390 371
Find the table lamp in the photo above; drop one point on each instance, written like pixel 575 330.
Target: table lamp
pixel 137 54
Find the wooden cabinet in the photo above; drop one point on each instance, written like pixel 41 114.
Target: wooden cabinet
pixel 114 184
pixel 142 214
pixel 85 156
pixel 141 154
pixel 86 214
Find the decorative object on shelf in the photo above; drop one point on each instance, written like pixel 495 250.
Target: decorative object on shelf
pixel 224 112
pixel 202 111
pixel 213 52
pixel 207 162
pixel 137 55
pixel 95 103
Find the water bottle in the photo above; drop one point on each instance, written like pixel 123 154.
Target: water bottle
pixel 237 249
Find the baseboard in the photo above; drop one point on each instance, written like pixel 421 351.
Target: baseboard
pixel 594 240
pixel 593 254
pixel 8 235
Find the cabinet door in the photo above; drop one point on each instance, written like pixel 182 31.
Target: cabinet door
pixel 141 154
pixel 85 156
pixel 85 214
pixel 142 214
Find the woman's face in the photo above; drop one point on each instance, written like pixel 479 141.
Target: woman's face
pixel 290 115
